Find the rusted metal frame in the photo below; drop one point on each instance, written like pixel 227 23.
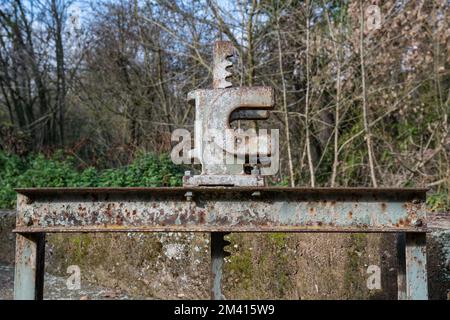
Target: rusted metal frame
pixel 214 141
pixel 208 209
pixel 29 266
pixel 404 207
pixel 218 254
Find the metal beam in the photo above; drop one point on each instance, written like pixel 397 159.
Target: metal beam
pixel 29 268
pixel 210 209
pixel 219 210
pixel 416 267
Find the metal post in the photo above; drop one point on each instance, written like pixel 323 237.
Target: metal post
pixel 29 269
pixel 217 258
pixel 416 266
pixel 401 271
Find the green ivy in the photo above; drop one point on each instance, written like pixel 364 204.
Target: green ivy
pixel 147 170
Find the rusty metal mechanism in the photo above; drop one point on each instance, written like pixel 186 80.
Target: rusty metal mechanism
pixel 219 201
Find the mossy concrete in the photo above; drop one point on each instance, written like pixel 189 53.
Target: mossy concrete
pixel 262 266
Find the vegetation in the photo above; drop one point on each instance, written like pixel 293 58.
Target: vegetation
pixel 147 170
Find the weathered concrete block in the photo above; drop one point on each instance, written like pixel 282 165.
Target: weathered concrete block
pixel 7 238
pixel 262 266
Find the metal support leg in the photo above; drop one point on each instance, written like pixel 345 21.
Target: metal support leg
pixel 416 267
pixel 401 271
pixel 29 269
pixel 217 255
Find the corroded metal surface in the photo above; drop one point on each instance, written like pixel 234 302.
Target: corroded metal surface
pixel 250 114
pixel 209 209
pixel 215 143
pixel 29 267
pixel 223 180
pixel 239 203
pixel 222 51
pixel 218 253
pixel 439 221
pixel 29 260
pixel 401 268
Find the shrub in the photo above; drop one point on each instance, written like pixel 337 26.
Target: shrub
pixel 147 170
